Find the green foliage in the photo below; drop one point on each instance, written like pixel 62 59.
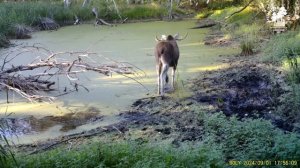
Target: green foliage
pixel 289 109
pixel 204 14
pixel 220 4
pixel 126 154
pixel 285 49
pixel 247 46
pixel 7 157
pixel 244 17
pixel 241 26
pixel 143 12
pixel 294 68
pixel 281 46
pixel 250 139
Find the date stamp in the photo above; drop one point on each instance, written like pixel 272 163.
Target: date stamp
pixel 289 163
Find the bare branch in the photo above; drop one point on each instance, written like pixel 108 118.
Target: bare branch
pixel 60 64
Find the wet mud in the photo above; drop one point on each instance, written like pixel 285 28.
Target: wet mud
pixel 248 88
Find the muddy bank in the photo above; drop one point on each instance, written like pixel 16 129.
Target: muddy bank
pixel 248 88
pixel 244 88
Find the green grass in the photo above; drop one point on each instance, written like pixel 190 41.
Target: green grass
pixel 224 139
pixel 125 154
pixel 143 12
pixel 243 17
pixel 239 26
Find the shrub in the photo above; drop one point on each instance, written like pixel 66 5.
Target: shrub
pixel 281 46
pixel 250 139
pixel 247 46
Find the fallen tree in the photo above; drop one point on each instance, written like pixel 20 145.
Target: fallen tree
pixel 48 64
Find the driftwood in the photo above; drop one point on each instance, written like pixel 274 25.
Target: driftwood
pixel 34 87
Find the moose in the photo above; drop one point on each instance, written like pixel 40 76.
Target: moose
pixel 166 55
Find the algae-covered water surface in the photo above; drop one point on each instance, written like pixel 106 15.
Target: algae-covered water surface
pixel 107 95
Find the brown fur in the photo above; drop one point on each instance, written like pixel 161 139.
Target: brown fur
pixel 166 54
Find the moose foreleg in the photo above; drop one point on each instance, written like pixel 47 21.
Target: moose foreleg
pixel 158 70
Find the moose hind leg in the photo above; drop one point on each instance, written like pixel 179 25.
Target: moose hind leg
pixel 163 75
pixel 173 78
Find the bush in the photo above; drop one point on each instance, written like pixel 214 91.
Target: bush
pixel 247 46
pixel 281 46
pixel 250 139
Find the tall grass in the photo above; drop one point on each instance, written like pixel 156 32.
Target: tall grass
pixel 126 154
pixel 7 157
pixel 143 12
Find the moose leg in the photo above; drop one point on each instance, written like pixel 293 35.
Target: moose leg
pixel 158 70
pixel 173 77
pixel 163 76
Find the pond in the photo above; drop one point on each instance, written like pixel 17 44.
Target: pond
pixel 107 96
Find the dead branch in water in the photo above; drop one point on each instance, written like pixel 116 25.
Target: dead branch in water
pixel 47 65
